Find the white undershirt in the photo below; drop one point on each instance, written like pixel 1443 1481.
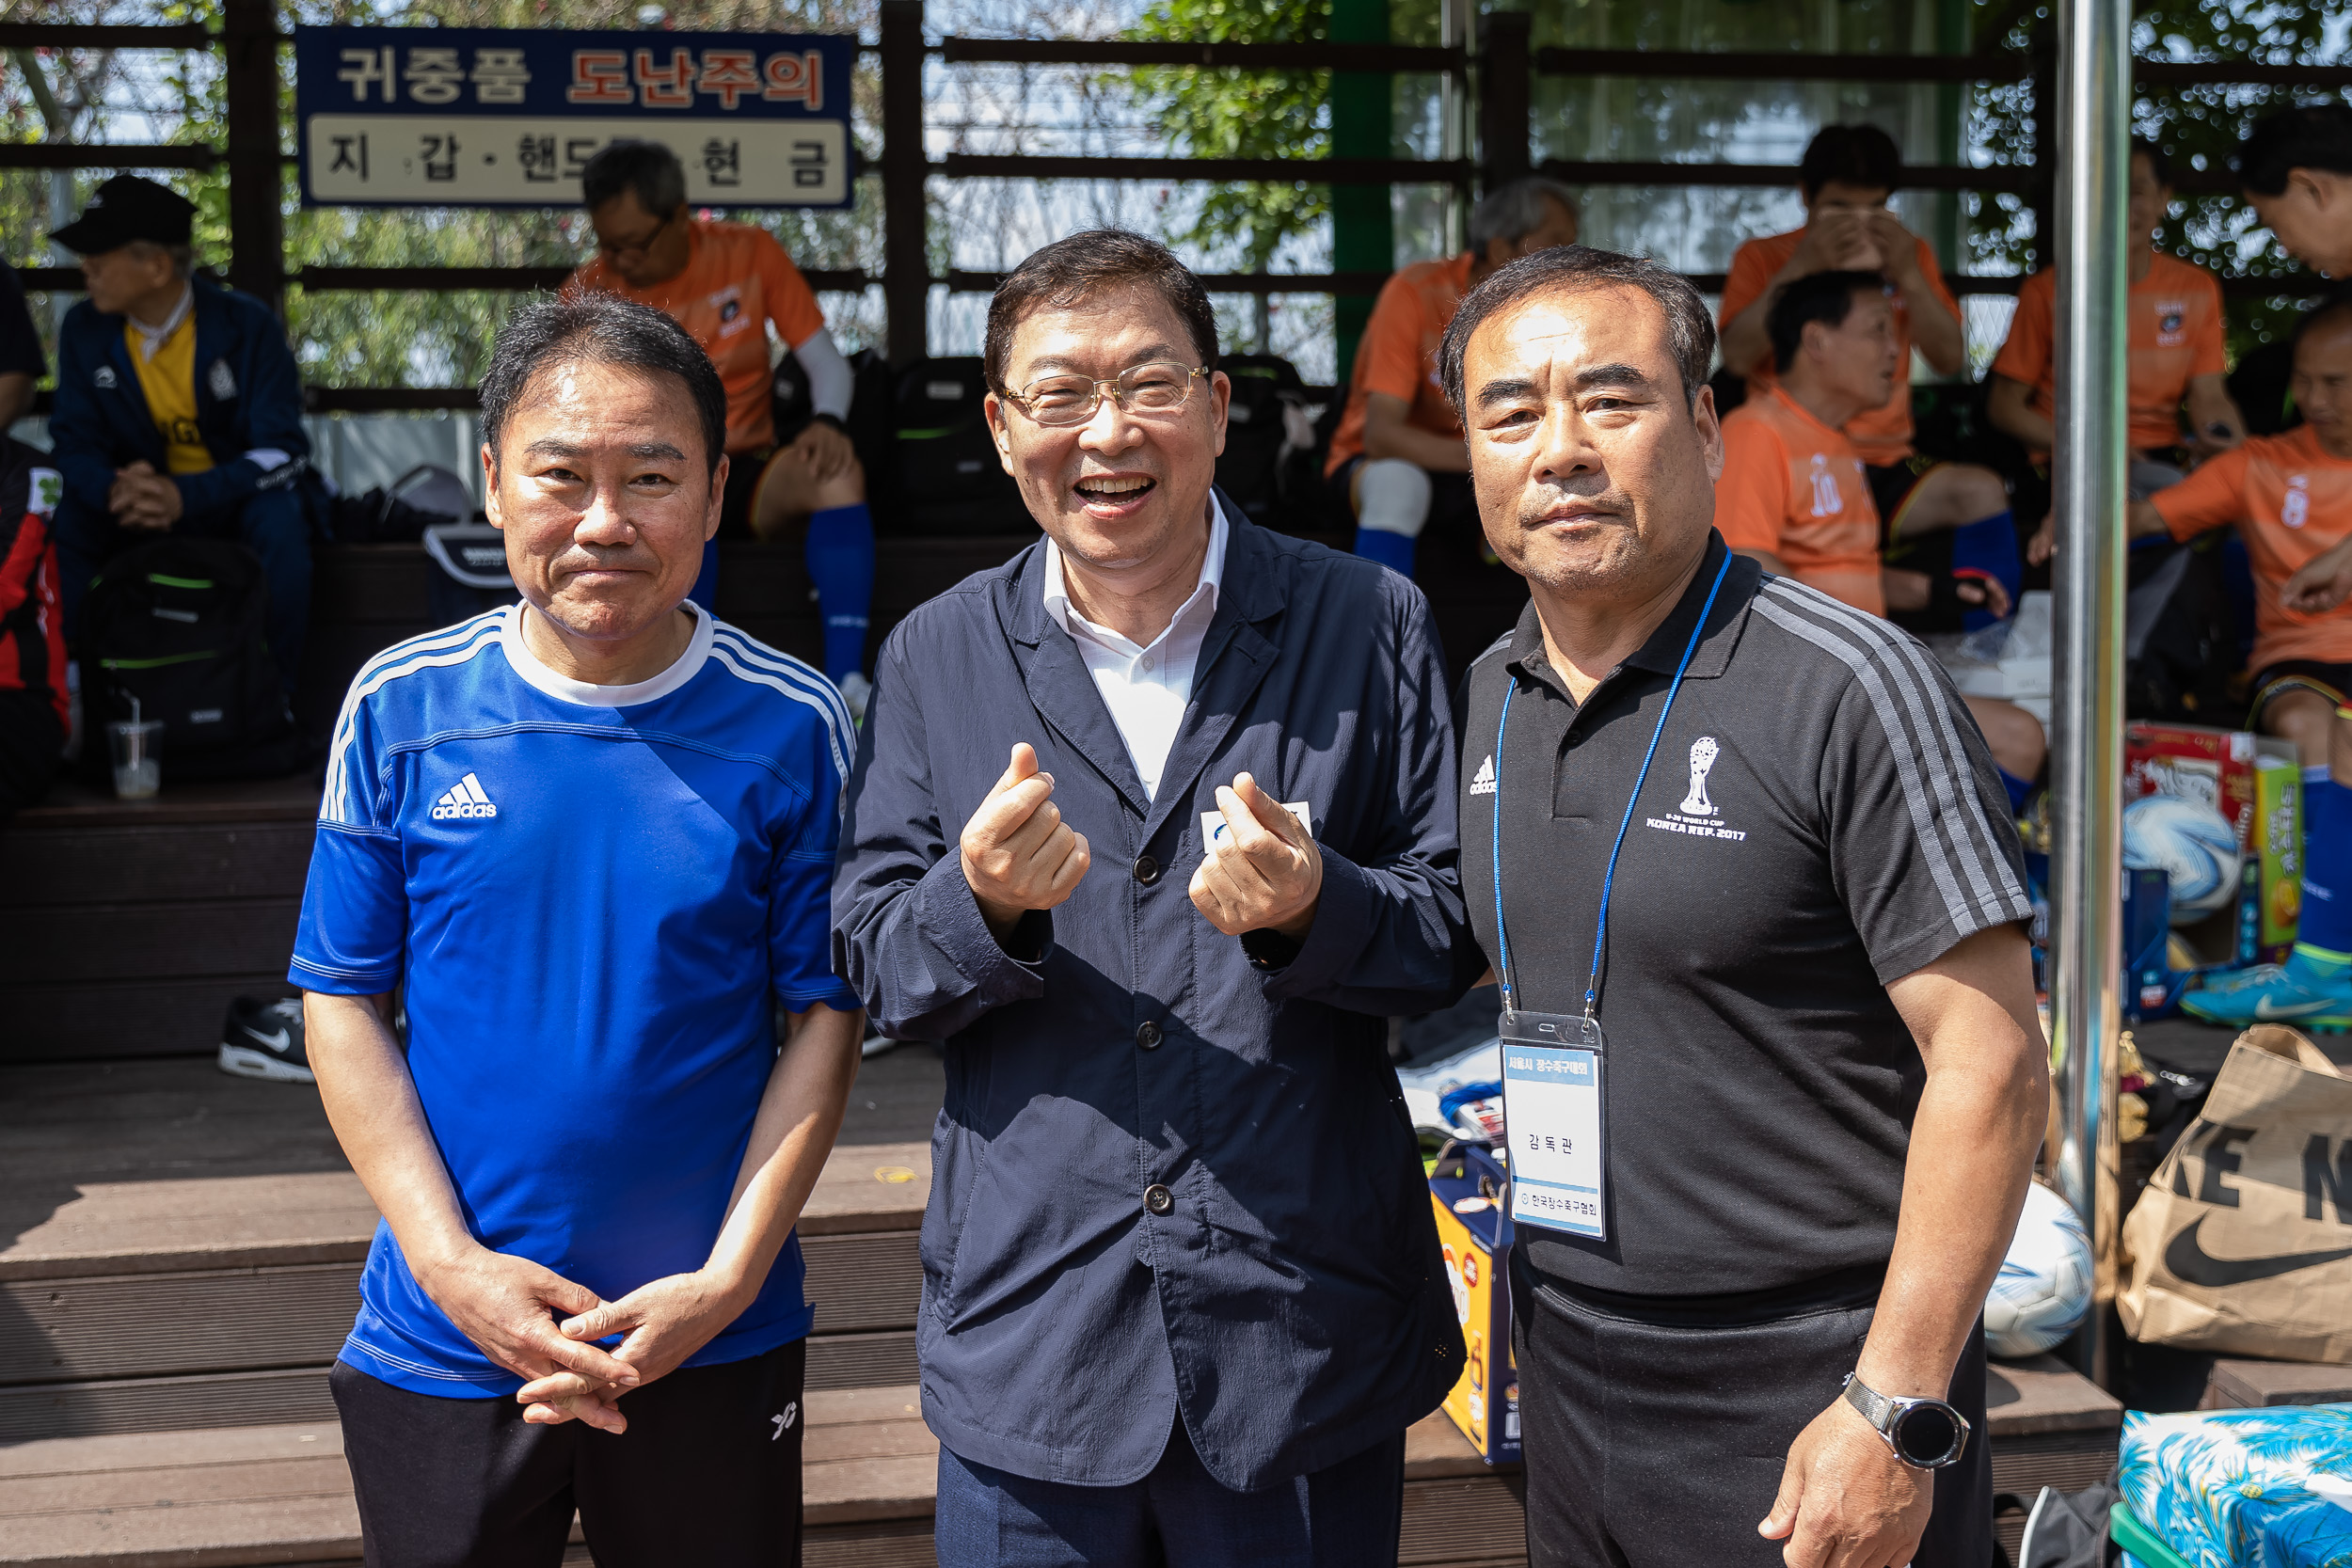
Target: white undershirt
pixel 1146 688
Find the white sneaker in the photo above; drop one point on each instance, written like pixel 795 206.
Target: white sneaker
pixel 855 689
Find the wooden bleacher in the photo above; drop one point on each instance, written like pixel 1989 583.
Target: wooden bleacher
pixel 182 1264
pixel 128 925
pixel 180 1250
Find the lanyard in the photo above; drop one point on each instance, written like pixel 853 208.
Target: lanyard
pixel 1600 923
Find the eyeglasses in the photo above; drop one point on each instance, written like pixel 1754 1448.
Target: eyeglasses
pixel 1161 387
pixel 634 246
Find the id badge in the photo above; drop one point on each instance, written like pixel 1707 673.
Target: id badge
pixel 1551 1111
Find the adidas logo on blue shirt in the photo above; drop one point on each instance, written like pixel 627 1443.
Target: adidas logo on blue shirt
pixel 463 799
pixel 1484 781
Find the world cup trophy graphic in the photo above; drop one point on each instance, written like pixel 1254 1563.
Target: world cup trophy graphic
pixel 1703 754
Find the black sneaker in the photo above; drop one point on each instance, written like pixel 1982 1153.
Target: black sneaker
pixel 263 1039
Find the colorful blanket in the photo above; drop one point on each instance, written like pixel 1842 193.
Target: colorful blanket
pixel 2245 1488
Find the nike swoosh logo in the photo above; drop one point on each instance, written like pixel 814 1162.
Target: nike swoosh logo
pixel 2263 1010
pixel 2192 1264
pixel 275 1042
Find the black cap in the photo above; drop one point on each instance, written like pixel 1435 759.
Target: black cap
pixel 128 207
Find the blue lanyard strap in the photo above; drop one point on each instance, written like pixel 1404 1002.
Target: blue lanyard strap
pixel 1600 923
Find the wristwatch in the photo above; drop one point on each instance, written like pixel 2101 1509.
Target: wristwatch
pixel 1926 1434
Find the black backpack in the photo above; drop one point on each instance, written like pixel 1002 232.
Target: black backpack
pixel 946 478
pixel 466 571
pixel 1267 467
pixel 2179 641
pixel 179 624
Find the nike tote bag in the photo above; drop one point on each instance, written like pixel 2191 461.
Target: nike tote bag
pixel 2242 1243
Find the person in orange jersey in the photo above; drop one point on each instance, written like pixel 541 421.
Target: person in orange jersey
pixel 727 283
pixel 1398 455
pixel 1794 494
pixel 1846 175
pixel 2176 327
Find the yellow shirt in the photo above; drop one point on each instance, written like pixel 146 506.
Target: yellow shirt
pixel 168 379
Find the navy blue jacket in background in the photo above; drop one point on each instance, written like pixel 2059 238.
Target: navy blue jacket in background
pixel 248 404
pixel 1293 1304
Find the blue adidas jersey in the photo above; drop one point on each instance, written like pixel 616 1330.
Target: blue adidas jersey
pixel 591 898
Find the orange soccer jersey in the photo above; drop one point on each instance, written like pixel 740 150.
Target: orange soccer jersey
pixel 737 279
pixel 1398 354
pixel 2291 501
pixel 1795 487
pixel 1880 435
pixel 2175 323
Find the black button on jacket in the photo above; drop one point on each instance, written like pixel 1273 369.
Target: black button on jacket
pixel 1288 1296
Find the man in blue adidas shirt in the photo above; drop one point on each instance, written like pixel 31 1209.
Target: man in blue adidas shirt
pixel 589 839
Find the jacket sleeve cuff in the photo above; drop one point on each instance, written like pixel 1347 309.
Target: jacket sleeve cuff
pixel 948 916
pixel 1343 925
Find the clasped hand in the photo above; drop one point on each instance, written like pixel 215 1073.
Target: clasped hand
pixel 508 1306
pixel 141 498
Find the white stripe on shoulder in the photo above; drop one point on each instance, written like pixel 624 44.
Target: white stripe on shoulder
pixel 1932 763
pixel 449 645
pixel 759 654
pixel 793 679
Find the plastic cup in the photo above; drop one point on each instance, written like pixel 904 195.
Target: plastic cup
pixel 138 756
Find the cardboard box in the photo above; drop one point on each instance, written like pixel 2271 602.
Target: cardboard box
pixel 2279 843
pixel 2149 986
pixel 1467 1190
pixel 2230 770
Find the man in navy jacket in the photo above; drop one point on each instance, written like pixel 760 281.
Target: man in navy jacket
pixel 1181 1286
pixel 178 410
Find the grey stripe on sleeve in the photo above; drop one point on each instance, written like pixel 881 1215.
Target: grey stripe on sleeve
pixel 1937 779
pixel 1955 777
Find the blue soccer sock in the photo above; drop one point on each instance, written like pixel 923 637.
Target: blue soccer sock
pixel 1392 550
pixel 841 564
pixel 2018 788
pixel 2326 931
pixel 1989 545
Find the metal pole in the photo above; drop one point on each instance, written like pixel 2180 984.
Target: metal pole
pixel 2093 155
pixel 906 243
pixel 257 174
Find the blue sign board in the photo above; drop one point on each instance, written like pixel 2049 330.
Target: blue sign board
pixel 474 117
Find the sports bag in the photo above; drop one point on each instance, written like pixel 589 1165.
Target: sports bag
pixel 1267 467
pixel 2242 1243
pixel 179 624
pixel 944 477
pixel 466 571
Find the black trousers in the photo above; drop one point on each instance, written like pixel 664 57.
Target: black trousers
pixel 1660 1443
pixel 708 1473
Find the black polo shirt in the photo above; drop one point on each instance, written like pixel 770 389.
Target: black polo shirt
pixel 1851 828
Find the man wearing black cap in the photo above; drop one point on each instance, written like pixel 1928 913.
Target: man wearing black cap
pixel 178 408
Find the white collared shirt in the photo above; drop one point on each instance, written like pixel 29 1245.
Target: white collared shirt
pixel 1146 688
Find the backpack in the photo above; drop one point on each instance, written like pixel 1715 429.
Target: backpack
pixel 178 627
pixel 401 511
pixel 1267 467
pixel 2180 643
pixel 2067 1529
pixel 466 571
pixel 944 477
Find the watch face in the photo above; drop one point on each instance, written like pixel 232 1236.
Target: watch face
pixel 1926 1434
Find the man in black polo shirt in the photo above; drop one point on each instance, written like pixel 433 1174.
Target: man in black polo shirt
pixel 1813 1010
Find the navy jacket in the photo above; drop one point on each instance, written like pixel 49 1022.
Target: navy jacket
pixel 248 404
pixel 1292 1304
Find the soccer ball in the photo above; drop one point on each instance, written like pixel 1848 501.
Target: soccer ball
pixel 2192 844
pixel 2043 1289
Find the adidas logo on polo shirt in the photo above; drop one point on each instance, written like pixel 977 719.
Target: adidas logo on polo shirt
pixel 464 798
pixel 1484 781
